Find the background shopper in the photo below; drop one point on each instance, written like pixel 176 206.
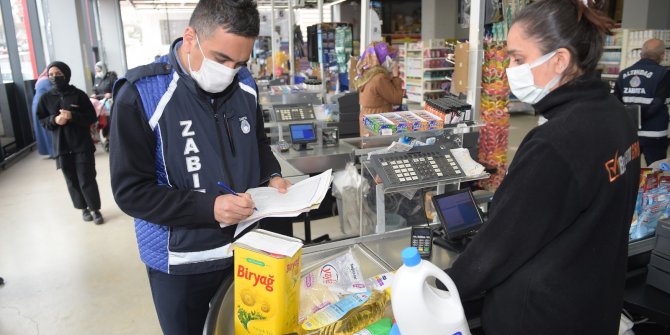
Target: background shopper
pixel 377 81
pixel 42 136
pixel 67 112
pixel 647 83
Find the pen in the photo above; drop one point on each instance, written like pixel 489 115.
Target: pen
pixel 230 190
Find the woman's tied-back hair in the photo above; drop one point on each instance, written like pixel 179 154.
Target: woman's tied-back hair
pixel 239 17
pixel 577 25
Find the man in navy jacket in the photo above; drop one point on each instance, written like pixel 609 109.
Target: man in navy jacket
pixel 647 83
pixel 180 125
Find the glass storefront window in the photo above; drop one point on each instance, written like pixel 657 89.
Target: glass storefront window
pixel 4 55
pixel 149 32
pixel 24 40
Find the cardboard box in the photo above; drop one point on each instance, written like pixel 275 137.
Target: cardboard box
pixel 459 83
pixel 401 124
pixel 418 123
pixel 434 122
pixel 267 283
pixel 378 124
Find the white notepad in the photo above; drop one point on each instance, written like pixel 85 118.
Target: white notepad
pixel 299 198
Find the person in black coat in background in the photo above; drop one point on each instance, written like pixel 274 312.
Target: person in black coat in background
pixel 67 112
pixel 104 82
pixel 552 257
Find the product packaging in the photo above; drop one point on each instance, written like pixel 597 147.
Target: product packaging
pixel 267 283
pixel 378 124
pixel 401 124
pixel 418 123
pixel 434 122
pixel 329 282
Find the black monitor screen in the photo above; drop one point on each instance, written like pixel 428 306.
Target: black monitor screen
pixel 302 133
pixel 458 213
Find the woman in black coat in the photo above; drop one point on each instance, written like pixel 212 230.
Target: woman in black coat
pixel 67 113
pixel 552 257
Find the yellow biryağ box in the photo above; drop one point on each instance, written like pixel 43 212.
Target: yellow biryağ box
pixel 267 283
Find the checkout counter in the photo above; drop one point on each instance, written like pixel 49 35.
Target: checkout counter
pixel 380 252
pixel 375 254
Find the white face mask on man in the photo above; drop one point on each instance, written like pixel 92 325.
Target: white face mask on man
pixel 522 83
pixel 212 76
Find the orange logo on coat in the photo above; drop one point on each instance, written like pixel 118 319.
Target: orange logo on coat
pixel 616 166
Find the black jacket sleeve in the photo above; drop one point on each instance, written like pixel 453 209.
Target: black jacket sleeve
pixel 43 114
pixel 84 116
pixel 133 175
pixel 521 223
pixel 269 163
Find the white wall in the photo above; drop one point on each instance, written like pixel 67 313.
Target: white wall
pixel 67 27
pixel 439 19
pixel 111 34
pixel 659 17
pixel 646 14
pixel 635 14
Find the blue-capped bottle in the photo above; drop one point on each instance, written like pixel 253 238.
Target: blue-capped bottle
pixel 418 307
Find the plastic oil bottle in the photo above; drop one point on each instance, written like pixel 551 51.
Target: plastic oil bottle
pixel 355 319
pixel 421 309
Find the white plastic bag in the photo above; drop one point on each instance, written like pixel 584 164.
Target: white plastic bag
pixel 350 190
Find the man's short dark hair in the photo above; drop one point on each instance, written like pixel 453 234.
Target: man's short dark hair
pixel 239 17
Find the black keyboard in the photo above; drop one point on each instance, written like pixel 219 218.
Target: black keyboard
pixel 423 164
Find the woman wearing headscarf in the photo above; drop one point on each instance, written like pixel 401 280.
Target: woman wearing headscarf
pixel 104 82
pixel 42 136
pixel 67 112
pixel 377 81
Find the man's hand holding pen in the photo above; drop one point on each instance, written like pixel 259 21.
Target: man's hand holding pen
pixel 234 207
pixel 231 209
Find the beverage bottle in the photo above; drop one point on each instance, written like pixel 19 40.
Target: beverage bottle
pixel 421 309
pixel 353 321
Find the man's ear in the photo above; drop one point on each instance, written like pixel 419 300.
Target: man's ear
pixel 189 41
pixel 562 60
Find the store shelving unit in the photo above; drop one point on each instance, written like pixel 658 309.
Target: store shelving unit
pixel 426 69
pixel 610 62
pixel 622 49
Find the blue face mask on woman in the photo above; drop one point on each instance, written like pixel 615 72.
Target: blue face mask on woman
pixel 522 83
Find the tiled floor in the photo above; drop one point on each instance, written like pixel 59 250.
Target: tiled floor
pixel 66 276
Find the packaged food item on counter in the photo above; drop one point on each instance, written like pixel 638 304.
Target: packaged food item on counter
pixel 349 315
pixel 434 122
pixel 378 124
pixel 380 282
pixel 381 327
pixel 329 282
pixel 652 203
pixel 267 283
pixel 418 124
pixel 401 124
